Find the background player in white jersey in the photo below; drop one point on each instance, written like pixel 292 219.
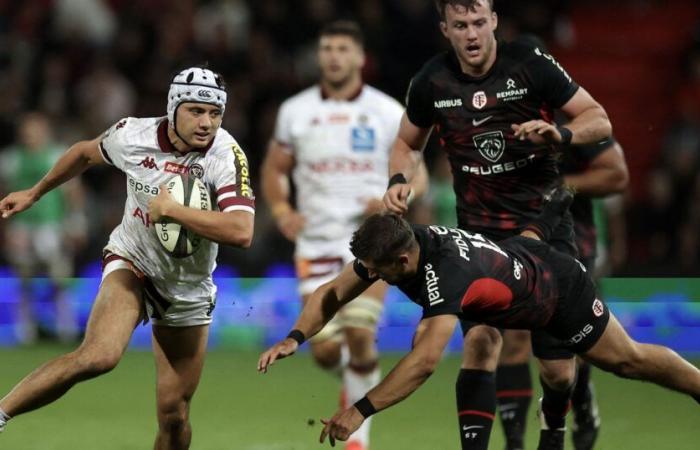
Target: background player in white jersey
pixel 140 280
pixel 334 140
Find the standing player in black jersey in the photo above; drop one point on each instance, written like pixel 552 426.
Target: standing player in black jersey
pixel 453 274
pixel 491 104
pixel 593 171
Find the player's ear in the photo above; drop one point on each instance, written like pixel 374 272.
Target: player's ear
pixel 443 28
pixel 494 18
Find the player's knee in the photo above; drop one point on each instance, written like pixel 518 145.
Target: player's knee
pixel 361 345
pixel 172 415
pixel 558 376
pixel 326 356
pixel 94 363
pixel 483 344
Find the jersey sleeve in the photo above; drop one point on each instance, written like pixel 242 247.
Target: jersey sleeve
pixel 113 144
pixel 392 118
pixel 231 180
pixel 551 81
pixel 362 272
pixel 283 127
pixel 451 280
pixel 419 101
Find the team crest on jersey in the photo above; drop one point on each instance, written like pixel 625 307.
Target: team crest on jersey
pixel 196 171
pixel 479 99
pixel 491 145
pixel 363 139
pixel 598 308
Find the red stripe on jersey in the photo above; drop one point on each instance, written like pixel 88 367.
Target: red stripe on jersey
pixel 514 393
pixel 231 201
pixel 473 412
pixel 487 293
pixel 229 188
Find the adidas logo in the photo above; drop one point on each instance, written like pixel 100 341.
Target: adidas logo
pixel 149 163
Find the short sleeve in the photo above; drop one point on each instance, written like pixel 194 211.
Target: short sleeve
pixel 419 101
pixel 231 178
pixel 392 118
pixel 113 143
pixel 451 278
pixel 551 81
pixel 362 272
pixel 283 126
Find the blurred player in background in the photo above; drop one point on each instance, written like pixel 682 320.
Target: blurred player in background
pixel 333 139
pixel 42 242
pixel 140 280
pixel 491 105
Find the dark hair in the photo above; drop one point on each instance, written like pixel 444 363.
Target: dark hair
pixel 381 238
pixel 344 28
pixel 469 4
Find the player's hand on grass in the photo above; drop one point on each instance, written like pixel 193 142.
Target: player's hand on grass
pixel 160 204
pixel 341 426
pixel 397 198
pixel 280 350
pixel 538 132
pixel 17 202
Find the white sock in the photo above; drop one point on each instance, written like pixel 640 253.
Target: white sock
pixel 339 368
pixel 3 419
pixel 356 386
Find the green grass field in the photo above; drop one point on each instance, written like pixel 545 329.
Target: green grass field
pixel 235 408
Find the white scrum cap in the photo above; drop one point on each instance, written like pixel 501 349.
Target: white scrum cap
pixel 195 85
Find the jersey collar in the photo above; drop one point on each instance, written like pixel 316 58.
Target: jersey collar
pixel 354 96
pixel 167 147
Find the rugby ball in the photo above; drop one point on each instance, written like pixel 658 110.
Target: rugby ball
pixel 177 240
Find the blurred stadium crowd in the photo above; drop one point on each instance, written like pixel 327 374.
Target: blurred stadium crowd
pixel 84 64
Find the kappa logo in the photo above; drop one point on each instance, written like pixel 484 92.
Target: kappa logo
pixel 479 99
pixel 491 145
pixel 121 124
pixel 205 93
pixel 149 163
pixel 598 308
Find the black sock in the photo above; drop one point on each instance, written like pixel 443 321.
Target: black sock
pixel 555 405
pixel 476 407
pixel 582 390
pixel 513 394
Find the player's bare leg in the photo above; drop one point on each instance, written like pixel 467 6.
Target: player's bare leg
pixel 557 377
pixel 514 386
pixel 476 386
pixel 179 354
pixel 362 372
pixel 115 314
pixel 616 352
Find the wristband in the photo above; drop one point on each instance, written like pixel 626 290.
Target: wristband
pixel 297 335
pixel 365 407
pixel 566 135
pixel 397 178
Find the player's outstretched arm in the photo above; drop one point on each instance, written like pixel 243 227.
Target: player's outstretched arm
pixel 404 161
pixel 402 381
pixel 323 304
pixel 72 163
pixel 589 121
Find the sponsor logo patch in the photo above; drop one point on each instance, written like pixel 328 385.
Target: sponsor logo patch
pixel 363 139
pixel 448 103
pixel 175 168
pixel 205 94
